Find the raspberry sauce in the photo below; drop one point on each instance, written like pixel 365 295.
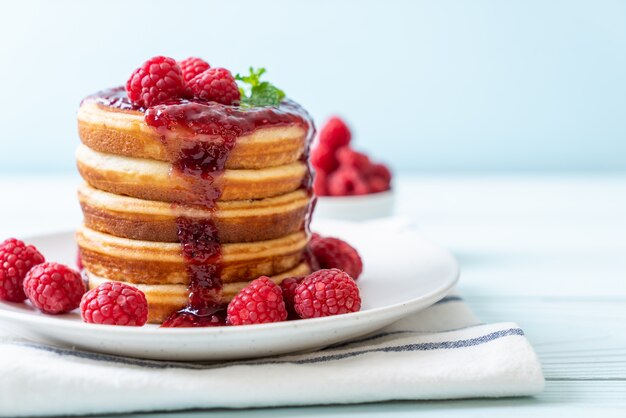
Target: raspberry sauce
pixel 114 97
pixel 199 137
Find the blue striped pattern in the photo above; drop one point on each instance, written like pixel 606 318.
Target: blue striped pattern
pixel 309 359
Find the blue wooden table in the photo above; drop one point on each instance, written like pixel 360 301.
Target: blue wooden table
pixel 547 252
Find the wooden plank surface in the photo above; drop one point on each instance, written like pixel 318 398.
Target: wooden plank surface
pixel 548 252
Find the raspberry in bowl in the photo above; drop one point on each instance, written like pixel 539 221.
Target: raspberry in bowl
pixel 349 185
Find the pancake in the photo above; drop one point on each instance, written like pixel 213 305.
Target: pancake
pixel 190 200
pixel 235 220
pixel 125 132
pixel 165 299
pixel 148 262
pixel 151 180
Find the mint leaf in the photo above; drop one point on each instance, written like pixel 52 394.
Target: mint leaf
pixel 254 78
pixel 266 94
pixel 262 93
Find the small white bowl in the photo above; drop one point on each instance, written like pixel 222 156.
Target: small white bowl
pixel 355 208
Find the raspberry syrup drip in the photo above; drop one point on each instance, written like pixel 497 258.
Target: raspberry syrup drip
pixel 199 137
pixel 202 253
pixel 199 159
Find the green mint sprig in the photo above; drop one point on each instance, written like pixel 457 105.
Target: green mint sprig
pixel 261 93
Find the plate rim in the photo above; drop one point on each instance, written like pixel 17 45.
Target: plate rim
pixel 58 321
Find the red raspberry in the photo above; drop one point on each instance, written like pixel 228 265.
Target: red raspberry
pixel 54 288
pixel 381 171
pixel 335 133
pixel 378 178
pixel 335 253
pixel 114 303
pixel 326 293
pixel 320 184
pixel 193 66
pixel 157 80
pixel 288 287
pixel 323 158
pixel 377 184
pixel 347 181
pixel 16 258
pixel 350 158
pixel 215 85
pixel 258 303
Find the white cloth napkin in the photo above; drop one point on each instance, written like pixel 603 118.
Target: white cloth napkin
pixel 443 352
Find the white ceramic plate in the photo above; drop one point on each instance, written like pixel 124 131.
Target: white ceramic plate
pixel 403 274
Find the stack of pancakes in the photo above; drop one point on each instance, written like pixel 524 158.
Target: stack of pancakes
pixel 132 206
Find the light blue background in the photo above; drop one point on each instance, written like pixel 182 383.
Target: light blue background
pixel 427 85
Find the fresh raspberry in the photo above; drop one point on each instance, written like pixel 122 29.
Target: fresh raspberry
pixel 335 253
pixel 326 293
pixel 378 178
pixel 348 157
pixel 193 66
pixel 114 303
pixel 323 158
pixel 320 184
pixel 215 85
pixel 288 287
pixel 16 258
pixel 335 133
pixel 258 303
pixel 157 80
pixel 347 181
pixel 381 171
pixel 54 288
pixel 377 184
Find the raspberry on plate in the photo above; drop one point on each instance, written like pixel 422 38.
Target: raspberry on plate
pixel 16 258
pixel 215 85
pixel 193 66
pixel 335 133
pixel 114 303
pixel 288 287
pixel 335 253
pixel 258 303
pixel 54 288
pixel 157 80
pixel 326 293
